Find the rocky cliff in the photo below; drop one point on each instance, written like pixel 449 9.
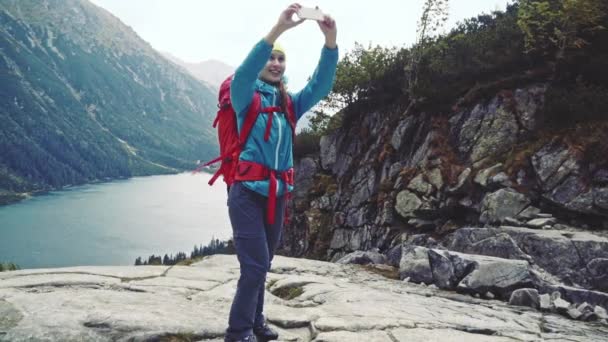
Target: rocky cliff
pixel 307 300
pixel 486 199
pixel 436 194
pixel 387 175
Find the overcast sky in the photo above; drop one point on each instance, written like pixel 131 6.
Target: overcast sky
pixel 197 30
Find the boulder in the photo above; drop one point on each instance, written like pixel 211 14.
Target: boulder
pixel 502 203
pixel 560 305
pixel 600 312
pixel 363 258
pixel 525 297
pixel 545 302
pixel 574 313
pixel 393 255
pixel 415 265
pixel 419 185
pixel 482 176
pixel 407 203
pixel 540 222
pixel 479 274
pixel 587 312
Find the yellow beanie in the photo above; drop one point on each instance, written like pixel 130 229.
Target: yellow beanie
pixel 278 47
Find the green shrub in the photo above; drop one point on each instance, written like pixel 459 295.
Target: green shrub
pixel 306 143
pixel 8 267
pixel 567 105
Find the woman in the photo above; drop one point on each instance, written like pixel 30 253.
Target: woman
pixel 269 149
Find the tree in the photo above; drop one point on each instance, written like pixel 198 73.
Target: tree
pixel 552 27
pixel 357 74
pixel 434 15
pixel 8 267
pixel 319 121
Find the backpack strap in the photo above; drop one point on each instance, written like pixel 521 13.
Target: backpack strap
pixel 251 171
pixel 291 118
pixel 250 117
pixel 269 111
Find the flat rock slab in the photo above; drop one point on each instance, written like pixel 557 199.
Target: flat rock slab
pixel 307 300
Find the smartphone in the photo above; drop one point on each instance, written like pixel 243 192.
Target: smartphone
pixel 310 13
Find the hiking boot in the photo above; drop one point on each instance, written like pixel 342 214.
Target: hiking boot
pixel 264 333
pixel 250 338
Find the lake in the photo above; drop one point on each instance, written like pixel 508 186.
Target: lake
pixel 113 223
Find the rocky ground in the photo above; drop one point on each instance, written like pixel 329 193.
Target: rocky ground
pixel 306 301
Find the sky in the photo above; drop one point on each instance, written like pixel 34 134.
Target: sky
pixel 225 30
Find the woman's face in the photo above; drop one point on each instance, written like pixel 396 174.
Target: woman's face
pixel 274 69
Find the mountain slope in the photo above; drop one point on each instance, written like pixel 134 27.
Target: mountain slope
pixel 83 98
pixel 212 72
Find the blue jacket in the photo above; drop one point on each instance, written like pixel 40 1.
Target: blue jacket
pixel 277 152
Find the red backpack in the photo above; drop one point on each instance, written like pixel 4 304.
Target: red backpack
pixel 232 143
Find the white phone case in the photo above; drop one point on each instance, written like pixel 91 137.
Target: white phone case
pixel 310 13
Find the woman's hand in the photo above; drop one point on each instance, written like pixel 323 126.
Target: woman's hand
pixel 329 29
pixel 284 23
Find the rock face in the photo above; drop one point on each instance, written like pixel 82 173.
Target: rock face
pixel 485 200
pixel 395 172
pixel 306 301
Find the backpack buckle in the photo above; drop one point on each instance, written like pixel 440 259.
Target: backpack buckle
pixel 289 176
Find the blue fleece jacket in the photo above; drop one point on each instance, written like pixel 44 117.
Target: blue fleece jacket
pixel 277 152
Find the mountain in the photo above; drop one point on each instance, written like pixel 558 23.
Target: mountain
pixel 212 72
pixel 83 98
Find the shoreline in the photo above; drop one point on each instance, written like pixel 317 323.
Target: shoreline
pixel 8 197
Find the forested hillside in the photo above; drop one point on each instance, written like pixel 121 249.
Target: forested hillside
pixel 83 98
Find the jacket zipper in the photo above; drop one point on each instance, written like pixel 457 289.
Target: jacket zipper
pixel 278 121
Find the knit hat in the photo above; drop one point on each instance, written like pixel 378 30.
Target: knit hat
pixel 278 47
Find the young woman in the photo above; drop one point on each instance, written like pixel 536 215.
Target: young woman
pixel 264 173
